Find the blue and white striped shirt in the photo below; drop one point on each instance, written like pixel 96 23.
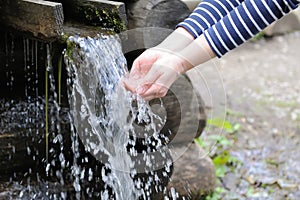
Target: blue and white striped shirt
pixel 228 23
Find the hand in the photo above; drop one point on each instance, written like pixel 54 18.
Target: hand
pixel 153 73
pixel 141 66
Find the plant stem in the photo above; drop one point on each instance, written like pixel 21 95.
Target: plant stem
pixel 59 79
pixel 46 113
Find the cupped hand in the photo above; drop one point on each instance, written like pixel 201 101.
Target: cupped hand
pixel 153 72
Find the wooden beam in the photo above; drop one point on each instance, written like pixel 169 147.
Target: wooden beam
pixel 43 19
pixel 156 13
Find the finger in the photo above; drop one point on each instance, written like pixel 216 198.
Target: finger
pixel 135 70
pixel 167 78
pixel 142 64
pixel 148 80
pixel 158 85
pixel 155 91
pixel 129 84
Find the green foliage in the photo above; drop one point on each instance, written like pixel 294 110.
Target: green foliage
pixel 60 61
pixel 220 154
pixel 201 143
pixel 217 194
pixel 221 171
pixel 46 112
pixel 258 36
pixel 222 158
pixel 69 49
pixel 224 124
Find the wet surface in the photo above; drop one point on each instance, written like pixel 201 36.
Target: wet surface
pixel 261 81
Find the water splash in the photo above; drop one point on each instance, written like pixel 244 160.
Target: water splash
pixel 117 128
pixel 104 116
pixel 22 120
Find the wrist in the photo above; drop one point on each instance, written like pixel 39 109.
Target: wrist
pixel 181 65
pixel 185 65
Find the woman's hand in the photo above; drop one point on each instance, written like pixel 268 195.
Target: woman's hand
pixel 141 67
pixel 153 72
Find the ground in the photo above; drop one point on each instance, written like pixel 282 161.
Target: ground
pixel 257 87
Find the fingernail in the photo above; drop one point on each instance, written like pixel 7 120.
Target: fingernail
pixel 140 90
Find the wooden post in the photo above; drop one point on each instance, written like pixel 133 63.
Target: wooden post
pixel 41 18
pixel 156 13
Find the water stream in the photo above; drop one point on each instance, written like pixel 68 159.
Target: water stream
pixel 106 143
pixel 104 115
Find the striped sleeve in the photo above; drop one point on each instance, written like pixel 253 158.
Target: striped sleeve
pixel 243 22
pixel 208 13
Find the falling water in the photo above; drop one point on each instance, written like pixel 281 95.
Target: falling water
pixel 106 143
pixel 104 115
pixel 23 122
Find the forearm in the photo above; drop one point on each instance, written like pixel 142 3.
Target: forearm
pixel 207 14
pixel 177 40
pixel 198 52
pixel 249 18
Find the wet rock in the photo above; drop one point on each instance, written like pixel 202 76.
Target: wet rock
pixel 194 173
pixel 287 24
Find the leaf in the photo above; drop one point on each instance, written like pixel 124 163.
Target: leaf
pixel 222 158
pixel 225 142
pixel 234 160
pixel 236 128
pixel 220 139
pixel 220 171
pixel 200 142
pixel 220 123
pixel 224 124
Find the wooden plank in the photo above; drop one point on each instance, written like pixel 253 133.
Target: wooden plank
pixel 43 19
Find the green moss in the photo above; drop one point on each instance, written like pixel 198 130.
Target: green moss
pixel 106 18
pixel 70 47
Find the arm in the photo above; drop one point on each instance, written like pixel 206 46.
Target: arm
pixel 244 21
pixel 155 79
pixel 208 13
pixel 177 40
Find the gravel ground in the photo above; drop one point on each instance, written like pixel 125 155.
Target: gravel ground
pixel 259 81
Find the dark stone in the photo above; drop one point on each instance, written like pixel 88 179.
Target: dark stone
pixel 193 173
